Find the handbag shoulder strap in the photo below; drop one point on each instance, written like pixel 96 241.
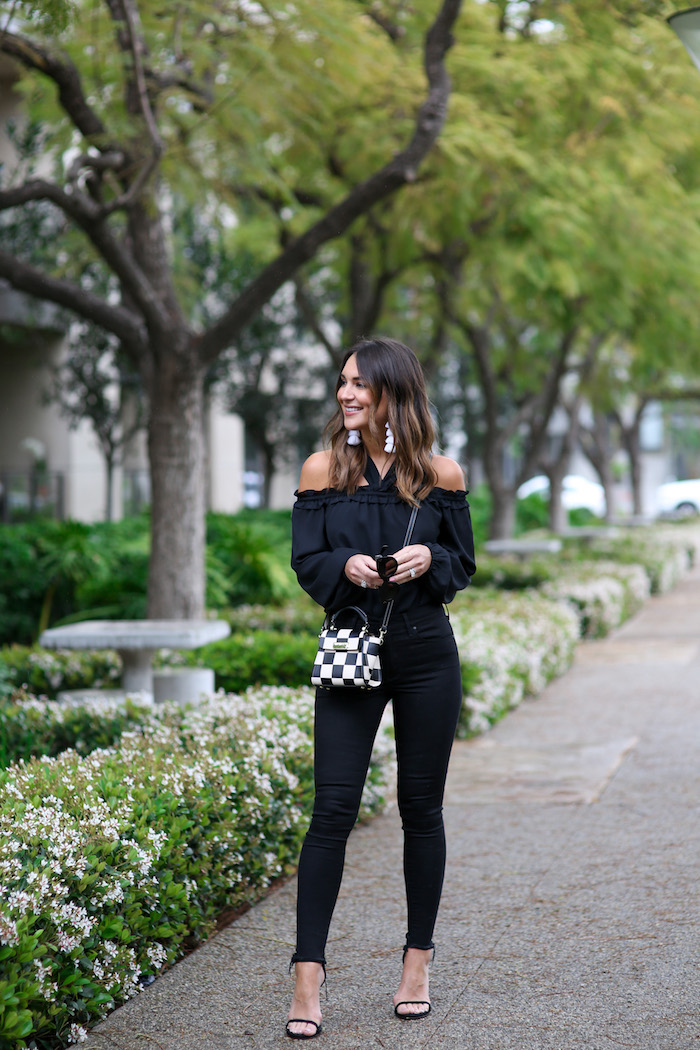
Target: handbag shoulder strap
pixel 406 541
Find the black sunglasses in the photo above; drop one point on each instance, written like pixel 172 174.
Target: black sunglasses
pixel 387 565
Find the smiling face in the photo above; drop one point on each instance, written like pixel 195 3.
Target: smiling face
pixel 355 398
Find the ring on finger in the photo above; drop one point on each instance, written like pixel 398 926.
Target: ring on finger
pixel 411 573
pixel 363 584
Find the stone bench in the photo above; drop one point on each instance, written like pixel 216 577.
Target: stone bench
pixel 136 641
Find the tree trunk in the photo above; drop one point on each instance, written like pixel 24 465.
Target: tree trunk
pixel 269 472
pixel 597 444
pixel 109 505
pixel 502 523
pixel 632 444
pixel 177 460
pixel 608 482
pixel 558 515
pixel 633 451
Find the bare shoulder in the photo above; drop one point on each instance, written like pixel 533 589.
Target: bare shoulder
pixel 314 473
pixel 450 474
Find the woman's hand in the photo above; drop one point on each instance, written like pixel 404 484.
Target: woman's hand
pixel 412 561
pixel 361 570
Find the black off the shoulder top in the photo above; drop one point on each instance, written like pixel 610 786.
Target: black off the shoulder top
pixel 329 526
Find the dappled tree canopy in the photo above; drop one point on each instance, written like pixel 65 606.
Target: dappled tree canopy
pixel 204 156
pixel 554 224
pixel 280 124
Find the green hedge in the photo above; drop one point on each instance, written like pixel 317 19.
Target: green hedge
pixel 48 671
pixel 510 645
pixel 113 865
pixel 665 553
pixel 508 573
pixel 30 728
pixel 241 660
pixel 258 658
pixel 603 594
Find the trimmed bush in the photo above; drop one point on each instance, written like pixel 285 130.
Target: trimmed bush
pixel 239 661
pixel 257 658
pixel 603 594
pixel 510 646
pixel 48 671
pixel 31 728
pixel 111 866
pixel 665 553
pixel 514 574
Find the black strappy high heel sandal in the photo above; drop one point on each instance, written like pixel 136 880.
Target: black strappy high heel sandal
pixel 413 1016
pixel 418 1014
pixel 306 1020
pixel 303 1035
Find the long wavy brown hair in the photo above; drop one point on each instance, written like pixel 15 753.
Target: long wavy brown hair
pixel 390 367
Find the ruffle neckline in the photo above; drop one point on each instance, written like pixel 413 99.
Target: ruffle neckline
pixel 316 498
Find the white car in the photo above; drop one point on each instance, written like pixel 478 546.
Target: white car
pixel 679 497
pixel 576 492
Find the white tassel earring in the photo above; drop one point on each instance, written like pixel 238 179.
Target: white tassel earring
pixel 390 444
pixel 354 437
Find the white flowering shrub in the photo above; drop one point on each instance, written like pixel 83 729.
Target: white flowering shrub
pixel 665 552
pixel 511 644
pixel 114 860
pixel 35 727
pixel 111 864
pixel 603 594
pixel 49 670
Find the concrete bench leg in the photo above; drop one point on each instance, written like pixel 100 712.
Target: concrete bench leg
pixel 136 670
pixel 184 685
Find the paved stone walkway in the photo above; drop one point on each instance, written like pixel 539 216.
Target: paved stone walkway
pixel 570 914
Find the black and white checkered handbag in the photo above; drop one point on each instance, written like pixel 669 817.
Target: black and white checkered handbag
pixel 348 656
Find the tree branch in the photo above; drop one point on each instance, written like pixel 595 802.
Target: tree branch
pixel 132 42
pixel 399 171
pixel 88 216
pixel 116 319
pixel 392 30
pixel 66 78
pixel 310 317
pixel 76 205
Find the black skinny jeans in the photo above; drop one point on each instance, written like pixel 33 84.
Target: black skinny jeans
pixel 421 675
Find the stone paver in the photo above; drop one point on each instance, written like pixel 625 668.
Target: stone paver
pixel 570 913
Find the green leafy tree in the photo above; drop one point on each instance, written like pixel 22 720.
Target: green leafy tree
pixel 236 109
pixel 568 217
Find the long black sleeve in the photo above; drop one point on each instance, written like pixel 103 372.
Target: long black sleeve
pixel 319 567
pixel 328 527
pixel 453 552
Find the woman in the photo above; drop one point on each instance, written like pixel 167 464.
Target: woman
pixel 353 501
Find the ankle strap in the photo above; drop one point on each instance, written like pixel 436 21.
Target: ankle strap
pixel 421 948
pixel 299 958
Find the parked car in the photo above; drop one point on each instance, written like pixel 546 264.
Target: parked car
pixel 577 492
pixel 680 498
